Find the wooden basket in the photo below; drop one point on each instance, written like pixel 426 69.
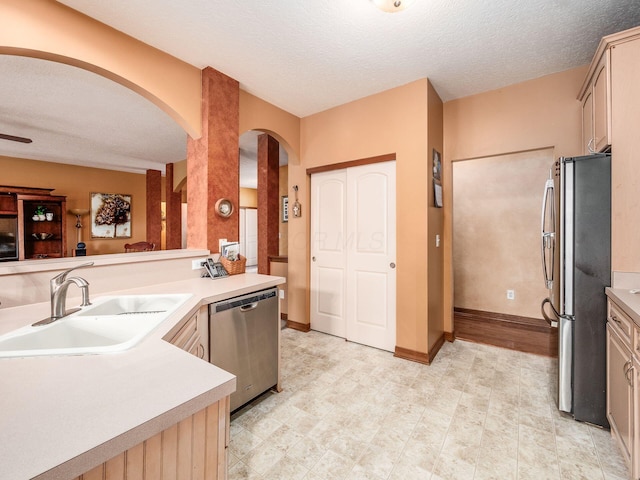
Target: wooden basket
pixel 234 268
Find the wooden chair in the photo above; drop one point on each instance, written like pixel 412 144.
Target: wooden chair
pixel 139 247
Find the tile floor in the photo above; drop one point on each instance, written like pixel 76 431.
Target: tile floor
pixel 353 412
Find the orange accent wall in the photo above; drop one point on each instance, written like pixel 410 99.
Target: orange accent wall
pixel 154 210
pixel 76 183
pixel 395 121
pixel 532 115
pixel 213 164
pixel 496 232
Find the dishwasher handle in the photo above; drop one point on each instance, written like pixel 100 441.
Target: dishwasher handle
pixel 247 308
pixel 243 301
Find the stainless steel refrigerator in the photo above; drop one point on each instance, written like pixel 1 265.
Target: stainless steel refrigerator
pixel 576 259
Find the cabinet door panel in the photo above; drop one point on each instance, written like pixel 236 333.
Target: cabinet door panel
pixel 587 124
pixel 601 106
pixel 619 391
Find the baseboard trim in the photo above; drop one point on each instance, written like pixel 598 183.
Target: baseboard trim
pixel 420 357
pixel 531 335
pixel 450 336
pixel 433 351
pixel 283 316
pixel 412 355
pixel 301 327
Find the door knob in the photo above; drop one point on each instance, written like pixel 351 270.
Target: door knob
pixel 313 259
pixel 392 265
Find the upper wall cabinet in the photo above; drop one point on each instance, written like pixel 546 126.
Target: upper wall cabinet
pixel 595 96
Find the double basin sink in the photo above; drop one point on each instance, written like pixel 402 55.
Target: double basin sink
pixel 111 324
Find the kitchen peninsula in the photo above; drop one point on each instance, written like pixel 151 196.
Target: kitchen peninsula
pixel 64 416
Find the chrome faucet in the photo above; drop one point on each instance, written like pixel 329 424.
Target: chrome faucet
pixel 59 286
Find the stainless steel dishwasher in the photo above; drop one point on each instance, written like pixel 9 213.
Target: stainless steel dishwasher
pixel 243 340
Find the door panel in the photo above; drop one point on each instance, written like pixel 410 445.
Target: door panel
pixel 328 256
pixel 371 277
pixel 353 280
pixel 251 236
pixel 371 297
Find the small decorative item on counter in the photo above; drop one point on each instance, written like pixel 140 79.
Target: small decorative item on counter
pixel 233 262
pixel 234 267
pixel 49 216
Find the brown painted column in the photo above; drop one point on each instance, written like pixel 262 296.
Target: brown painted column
pixel 154 210
pixel 173 212
pixel 213 163
pixel 268 206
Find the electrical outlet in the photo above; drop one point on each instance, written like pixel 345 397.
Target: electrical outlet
pixel 198 264
pixel 281 292
pixel 511 294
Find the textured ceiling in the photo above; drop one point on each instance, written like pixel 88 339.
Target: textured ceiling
pixel 77 117
pixel 303 56
pixel 307 56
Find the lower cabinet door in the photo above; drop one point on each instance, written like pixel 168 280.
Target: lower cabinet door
pixel 620 401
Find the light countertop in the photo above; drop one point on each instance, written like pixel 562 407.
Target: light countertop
pixel 62 415
pixel 629 302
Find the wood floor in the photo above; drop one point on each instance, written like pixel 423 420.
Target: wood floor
pixel 531 335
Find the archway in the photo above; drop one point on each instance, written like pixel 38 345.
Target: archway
pixel 81 122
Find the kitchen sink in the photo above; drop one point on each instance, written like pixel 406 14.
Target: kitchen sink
pixel 112 324
pixel 134 304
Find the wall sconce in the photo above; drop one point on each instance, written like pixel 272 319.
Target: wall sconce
pixel 296 210
pixel 392 6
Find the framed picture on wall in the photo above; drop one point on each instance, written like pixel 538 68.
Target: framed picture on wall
pixel 437 165
pixel 437 179
pixel 110 215
pixel 285 209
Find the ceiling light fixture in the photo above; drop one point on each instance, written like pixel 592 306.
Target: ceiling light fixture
pixel 392 6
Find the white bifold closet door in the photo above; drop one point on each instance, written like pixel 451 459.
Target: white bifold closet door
pixel 353 249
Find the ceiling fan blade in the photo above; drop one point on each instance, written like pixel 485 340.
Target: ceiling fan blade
pixel 13 138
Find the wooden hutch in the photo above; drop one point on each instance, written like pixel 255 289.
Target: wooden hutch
pixel 41 236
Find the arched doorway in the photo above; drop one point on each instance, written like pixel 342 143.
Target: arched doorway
pixel 90 134
pixel 249 207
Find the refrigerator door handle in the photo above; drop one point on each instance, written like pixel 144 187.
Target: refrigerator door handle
pixel 554 321
pixel 551 321
pixel 548 240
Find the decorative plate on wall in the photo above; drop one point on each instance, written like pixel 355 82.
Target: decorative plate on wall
pixel 224 207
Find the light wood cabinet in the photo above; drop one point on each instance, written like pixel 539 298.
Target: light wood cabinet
pixel 602 104
pixel 587 123
pixel 193 334
pixel 623 375
pixel 620 391
pixel 194 448
pixel 596 107
pixel 610 97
